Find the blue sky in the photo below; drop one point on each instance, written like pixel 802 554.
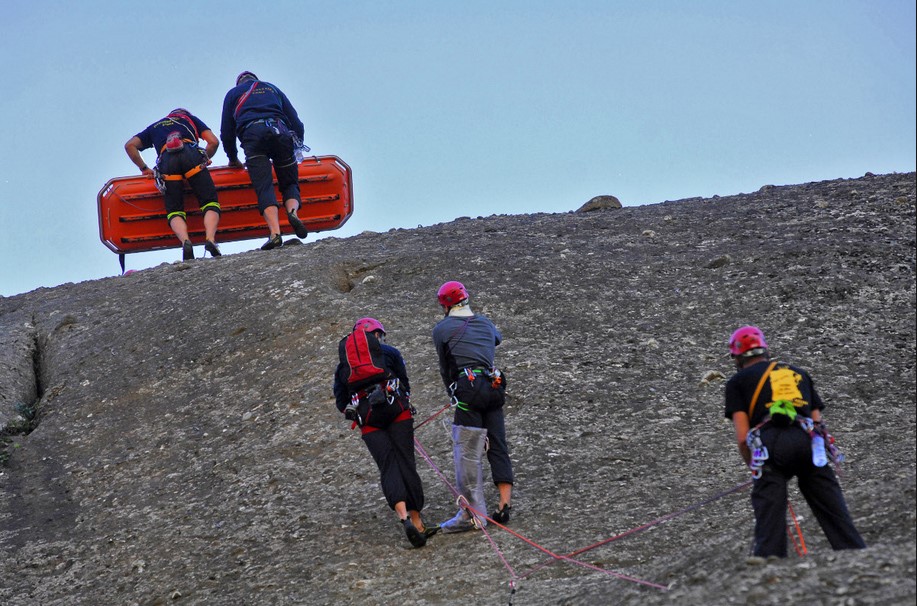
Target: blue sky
pixel 449 109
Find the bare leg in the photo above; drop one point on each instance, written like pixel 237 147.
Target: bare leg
pixel 180 228
pixel 506 493
pixel 292 205
pixel 211 220
pixel 401 510
pixel 272 218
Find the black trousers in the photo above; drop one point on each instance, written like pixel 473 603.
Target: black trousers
pixel 790 454
pixel 178 163
pixel 483 408
pixel 268 151
pixel 392 449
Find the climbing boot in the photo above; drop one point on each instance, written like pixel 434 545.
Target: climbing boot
pixel 275 241
pixel 297 224
pixel 212 248
pixel 501 516
pixel 187 250
pixel 429 531
pixel 417 538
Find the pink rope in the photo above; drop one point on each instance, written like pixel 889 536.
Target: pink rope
pixel 646 526
pixel 506 564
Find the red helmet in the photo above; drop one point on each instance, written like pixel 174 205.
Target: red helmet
pixel 369 325
pixel 451 293
pixel 747 341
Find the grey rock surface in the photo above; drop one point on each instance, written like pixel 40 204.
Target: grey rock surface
pixel 170 437
pixel 600 203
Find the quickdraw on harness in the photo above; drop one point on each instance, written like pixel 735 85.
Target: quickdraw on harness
pixel 491 374
pixel 758 450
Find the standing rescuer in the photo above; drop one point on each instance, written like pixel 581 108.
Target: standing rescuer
pixel 380 406
pixel 465 343
pixel 778 424
pixel 265 122
pixel 179 159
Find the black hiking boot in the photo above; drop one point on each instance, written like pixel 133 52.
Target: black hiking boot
pixel 297 224
pixel 417 538
pixel 275 241
pixel 187 250
pixel 212 248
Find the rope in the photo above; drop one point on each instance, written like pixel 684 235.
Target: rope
pixel 646 526
pixel 799 546
pixel 554 556
pixel 434 415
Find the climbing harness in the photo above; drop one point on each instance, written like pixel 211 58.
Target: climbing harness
pixel 376 395
pixel 492 374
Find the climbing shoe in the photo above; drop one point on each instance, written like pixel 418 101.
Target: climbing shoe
pixel 297 224
pixel 501 516
pixel 429 531
pixel 212 248
pixel 187 251
pixel 275 241
pixel 417 538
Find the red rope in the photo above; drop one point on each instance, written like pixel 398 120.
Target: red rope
pixel 433 416
pixel 646 526
pixel 799 546
pixel 567 558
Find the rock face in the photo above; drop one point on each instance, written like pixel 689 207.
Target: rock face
pixel 600 203
pixel 170 436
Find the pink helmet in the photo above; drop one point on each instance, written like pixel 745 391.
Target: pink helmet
pixel 369 325
pixel 451 293
pixel 747 341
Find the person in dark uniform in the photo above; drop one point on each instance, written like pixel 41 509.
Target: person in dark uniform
pixel 777 415
pixel 265 121
pixel 178 158
pixel 386 420
pixel 465 344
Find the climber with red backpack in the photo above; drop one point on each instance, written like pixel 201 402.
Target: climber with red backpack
pixel 372 389
pixel 179 159
pixel 777 416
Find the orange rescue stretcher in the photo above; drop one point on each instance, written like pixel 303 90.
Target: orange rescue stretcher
pixel 132 213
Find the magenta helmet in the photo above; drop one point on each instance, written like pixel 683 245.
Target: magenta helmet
pixel 451 293
pixel 369 325
pixel 747 341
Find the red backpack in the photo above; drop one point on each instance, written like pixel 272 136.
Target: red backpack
pixel 364 363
